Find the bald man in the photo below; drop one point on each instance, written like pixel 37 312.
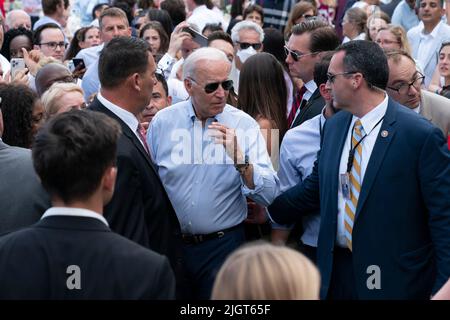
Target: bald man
pixel 17 18
pixel 51 73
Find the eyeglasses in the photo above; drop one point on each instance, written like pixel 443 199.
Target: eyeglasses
pixel 296 55
pixel 404 87
pixel 331 76
pixel 245 45
pixel 54 45
pixel 212 87
pixel 379 41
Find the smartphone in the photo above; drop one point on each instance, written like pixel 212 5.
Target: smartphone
pixel 17 64
pixel 76 64
pixel 196 36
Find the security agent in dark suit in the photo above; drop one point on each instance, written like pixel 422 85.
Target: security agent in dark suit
pixel 391 239
pixel 22 198
pixel 71 253
pixel 306 45
pixel 140 209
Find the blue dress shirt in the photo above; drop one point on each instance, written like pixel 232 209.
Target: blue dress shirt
pixel 206 191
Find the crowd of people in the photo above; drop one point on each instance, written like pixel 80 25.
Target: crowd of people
pixel 191 149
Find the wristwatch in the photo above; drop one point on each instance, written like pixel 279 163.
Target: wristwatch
pixel 241 167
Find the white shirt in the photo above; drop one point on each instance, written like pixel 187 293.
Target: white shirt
pixel 368 122
pixel 90 55
pixel 5 65
pixel 73 212
pixel 297 155
pixel 310 86
pixel 202 16
pixel 130 119
pixel 426 44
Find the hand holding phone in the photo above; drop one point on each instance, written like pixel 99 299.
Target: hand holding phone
pixel 17 64
pixel 196 36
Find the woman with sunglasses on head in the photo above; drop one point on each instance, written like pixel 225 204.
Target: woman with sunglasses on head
pixel 301 11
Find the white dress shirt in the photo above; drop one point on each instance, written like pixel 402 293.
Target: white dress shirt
pixel 426 44
pixel 130 119
pixel 369 124
pixel 73 212
pixel 202 15
pixel 297 155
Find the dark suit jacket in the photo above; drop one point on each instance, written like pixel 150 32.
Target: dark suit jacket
pixel 311 109
pixel 23 200
pixel 402 219
pixel 140 208
pixel 34 263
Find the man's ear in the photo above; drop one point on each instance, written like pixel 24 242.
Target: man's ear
pixel 325 92
pixel 188 85
pixel 169 100
pixel 135 81
pixel 109 179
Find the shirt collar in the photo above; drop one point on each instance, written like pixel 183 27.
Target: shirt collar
pixel 126 116
pixel 193 117
pixel 433 33
pixel 311 86
pixel 73 212
pixel 199 8
pixel 371 119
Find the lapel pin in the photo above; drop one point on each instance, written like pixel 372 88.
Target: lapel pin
pixel 384 133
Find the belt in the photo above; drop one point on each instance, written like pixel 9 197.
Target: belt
pixel 199 238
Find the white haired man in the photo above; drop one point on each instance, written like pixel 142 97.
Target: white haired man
pixel 228 160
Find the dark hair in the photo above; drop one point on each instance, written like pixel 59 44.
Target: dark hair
pixel 145 4
pixel 321 68
pixel 308 26
pixel 163 17
pixel 98 7
pixel 212 27
pixel 274 44
pixel 120 58
pixel 254 7
pixel 444 44
pixel 125 7
pixel 50 6
pixel 9 37
pixel 176 10
pixel 263 73
pixel 368 58
pixel 323 39
pixel 74 46
pixel 296 13
pixel 18 102
pixel 72 152
pixel 441 2
pixel 37 33
pixel 236 8
pixel 220 35
pixel 160 78
pixel 164 38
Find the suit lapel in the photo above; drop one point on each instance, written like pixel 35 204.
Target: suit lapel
pixel 96 104
pixel 304 106
pixel 378 153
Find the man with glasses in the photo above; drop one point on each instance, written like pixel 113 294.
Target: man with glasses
pixel 49 39
pixel 210 156
pixel 248 39
pixel 384 175
pixel 405 87
pixel 304 49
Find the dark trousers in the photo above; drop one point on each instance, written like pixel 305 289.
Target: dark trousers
pixel 342 284
pixel 202 261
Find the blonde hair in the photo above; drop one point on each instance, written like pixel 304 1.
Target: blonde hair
pixel 51 99
pixel 400 34
pixel 263 271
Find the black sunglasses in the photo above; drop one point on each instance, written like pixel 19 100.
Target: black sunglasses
pixel 295 55
pixel 212 87
pixel 245 45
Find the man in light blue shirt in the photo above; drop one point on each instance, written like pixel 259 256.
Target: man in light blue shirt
pixel 210 157
pixel 297 155
pixel 405 15
pixel 113 23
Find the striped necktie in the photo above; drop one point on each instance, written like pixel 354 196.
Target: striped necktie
pixel 355 183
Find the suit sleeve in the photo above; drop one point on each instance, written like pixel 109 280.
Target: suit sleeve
pixel 125 211
pixel 434 173
pixel 299 200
